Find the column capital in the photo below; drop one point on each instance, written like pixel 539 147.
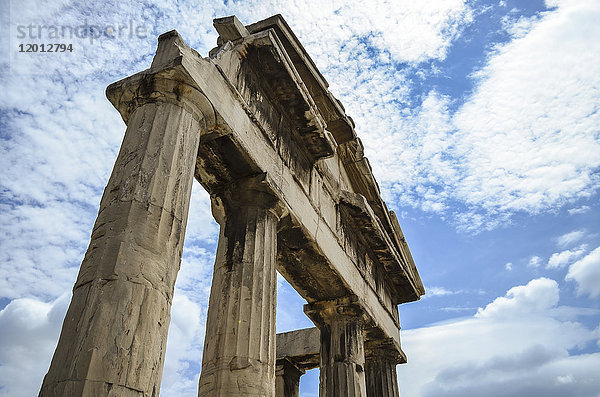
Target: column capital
pixel 253 191
pixel 285 364
pixel 324 312
pixel 167 80
pixel 386 349
pixel 165 86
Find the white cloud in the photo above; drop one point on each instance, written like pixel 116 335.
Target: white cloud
pixel 65 136
pixel 528 134
pixel 508 266
pixel 190 303
pixel 539 295
pixel 516 346
pixel 534 261
pixel 427 28
pixel 586 273
pixel 184 348
pixel 570 238
pixel 439 291
pixel 525 140
pixel 561 259
pixel 579 210
pixel 29 330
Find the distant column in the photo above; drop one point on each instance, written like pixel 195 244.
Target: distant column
pixel 114 334
pixel 287 379
pixel 239 348
pixel 342 356
pixel 380 369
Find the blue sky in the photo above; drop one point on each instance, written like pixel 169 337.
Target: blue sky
pixel 481 122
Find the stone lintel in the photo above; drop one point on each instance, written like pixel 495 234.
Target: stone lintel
pixel 358 215
pixel 303 264
pixel 386 348
pixel 300 347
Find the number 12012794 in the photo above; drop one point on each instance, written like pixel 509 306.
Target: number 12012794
pixel 52 47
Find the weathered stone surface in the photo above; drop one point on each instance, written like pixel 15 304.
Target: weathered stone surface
pixel 300 347
pixel 340 125
pixel 380 368
pixel 114 334
pixel 381 377
pixel 230 28
pixel 239 348
pixel 291 188
pixel 342 357
pixel 287 379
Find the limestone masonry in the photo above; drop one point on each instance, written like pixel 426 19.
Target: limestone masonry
pixel 291 189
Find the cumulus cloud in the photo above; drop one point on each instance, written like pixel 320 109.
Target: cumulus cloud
pixel 586 273
pixel 517 345
pixel 427 28
pixel 561 259
pixel 538 295
pixel 29 330
pixel 184 348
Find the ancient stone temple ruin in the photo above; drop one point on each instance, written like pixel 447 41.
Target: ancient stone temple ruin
pixel 290 187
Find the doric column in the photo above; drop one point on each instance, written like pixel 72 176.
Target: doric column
pixel 113 337
pixel 287 379
pixel 342 356
pixel 380 368
pixel 239 348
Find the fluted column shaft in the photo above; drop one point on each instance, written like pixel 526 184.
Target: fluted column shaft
pixel 342 356
pixel 380 370
pixel 287 379
pixel 239 348
pixel 114 334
